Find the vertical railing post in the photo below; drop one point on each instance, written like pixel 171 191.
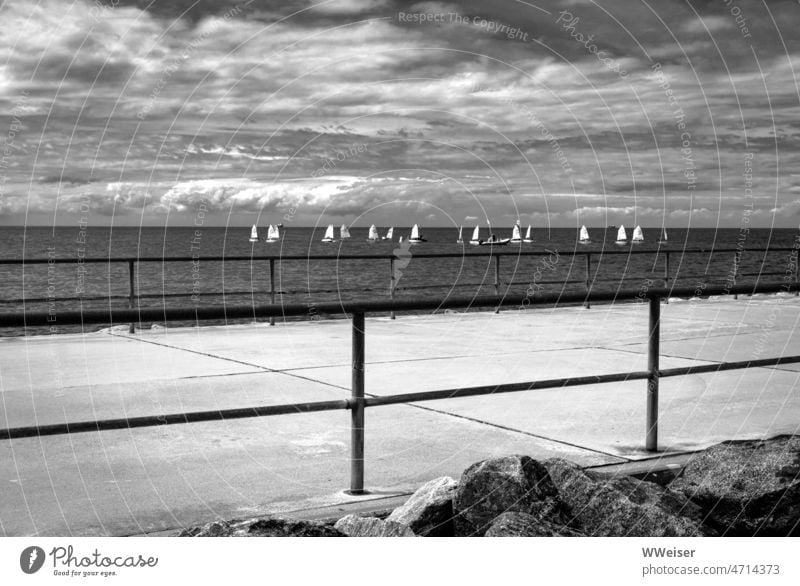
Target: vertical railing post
pixel 272 288
pixel 666 273
pixel 497 274
pixel 131 292
pixel 391 283
pixel 497 279
pixel 586 303
pixel 735 271
pixel 797 270
pixel 357 408
pixel 651 442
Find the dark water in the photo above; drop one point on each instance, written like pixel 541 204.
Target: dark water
pixel 240 282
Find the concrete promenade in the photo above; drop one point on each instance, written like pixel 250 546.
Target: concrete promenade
pixel 155 479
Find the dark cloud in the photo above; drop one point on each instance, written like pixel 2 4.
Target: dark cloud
pixel 151 105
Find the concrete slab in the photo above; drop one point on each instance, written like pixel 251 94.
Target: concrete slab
pixel 204 393
pixel 57 362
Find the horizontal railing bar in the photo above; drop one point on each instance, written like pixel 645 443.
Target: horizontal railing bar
pixel 171 419
pixel 703 368
pixel 477 254
pixel 506 388
pixel 95 316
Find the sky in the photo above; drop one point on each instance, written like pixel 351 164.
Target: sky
pixel 652 112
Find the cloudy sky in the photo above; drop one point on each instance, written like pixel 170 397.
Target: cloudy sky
pixel 561 113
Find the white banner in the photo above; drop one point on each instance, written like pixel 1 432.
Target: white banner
pixel 331 561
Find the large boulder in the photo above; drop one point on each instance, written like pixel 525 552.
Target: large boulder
pixel 271 527
pixel 357 526
pixel 623 506
pixel 747 487
pixel 525 525
pixel 429 511
pixel 500 485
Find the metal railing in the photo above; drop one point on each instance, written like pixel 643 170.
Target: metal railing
pixel 588 281
pixel 359 401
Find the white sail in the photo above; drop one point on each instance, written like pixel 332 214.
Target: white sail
pixel 373 233
pixel 663 234
pixel 414 233
pixel 344 232
pixel 389 234
pixel 622 236
pixel 328 234
pixel 460 236
pixel 254 234
pixel 528 234
pixel 273 235
pixel 516 235
pixel 584 234
pixel 476 235
pixel 638 236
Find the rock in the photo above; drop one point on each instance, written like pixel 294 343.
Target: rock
pixel 500 485
pixel 356 526
pixel 262 528
pixel 429 511
pixel 747 487
pixel 525 525
pixel 623 506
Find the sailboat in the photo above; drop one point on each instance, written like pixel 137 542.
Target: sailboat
pixel 637 234
pixel 460 237
pixel 584 236
pixel 528 237
pixel 254 234
pixel 622 236
pixel 415 236
pixel 516 235
pixel 373 234
pixel 328 234
pixel 663 238
pixel 389 233
pixel 494 240
pixel 344 232
pixel 476 236
pixel 273 234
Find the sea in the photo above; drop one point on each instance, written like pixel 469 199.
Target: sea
pixel 753 253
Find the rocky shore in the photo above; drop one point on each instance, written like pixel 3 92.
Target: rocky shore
pixel 736 488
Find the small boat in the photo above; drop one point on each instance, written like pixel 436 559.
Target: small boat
pixel 400 240
pixel 328 234
pixel 476 236
pixel 584 236
pixel 495 241
pixel 344 232
pixel 273 234
pixel 460 237
pixel 622 236
pixel 254 234
pixel 528 238
pixel 415 236
pixel 389 233
pixel 516 234
pixel 663 238
pixel 373 234
pixel 638 236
